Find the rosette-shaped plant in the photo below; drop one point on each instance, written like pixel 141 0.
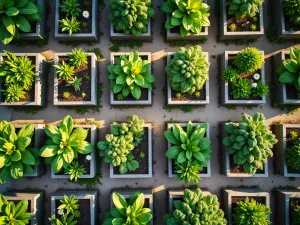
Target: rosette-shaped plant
pixel 188 171
pixel 292 10
pixel 196 209
pixel 250 142
pixel 129 74
pixel 188 70
pixel 131 16
pixel 189 15
pixel 243 8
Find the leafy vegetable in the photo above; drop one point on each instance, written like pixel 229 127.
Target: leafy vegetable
pixel 188 171
pixel 292 10
pixel 293 155
pixel 70 25
pixel 242 8
pixel 75 170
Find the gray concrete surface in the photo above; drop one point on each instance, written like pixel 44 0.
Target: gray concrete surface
pixel 212 114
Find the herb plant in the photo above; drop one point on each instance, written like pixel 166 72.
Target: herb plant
pixel 64 70
pixel 242 8
pixel 188 171
pixel 66 95
pixel 78 58
pixel 241 89
pixel 293 134
pixel 293 155
pixel 260 89
pixel 14 93
pixel 75 83
pixel 70 25
pixel 75 170
pixel 230 75
pixel 292 10
pixel 70 7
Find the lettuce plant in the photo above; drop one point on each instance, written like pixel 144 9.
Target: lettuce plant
pixel 188 70
pixel 242 8
pixel 189 15
pixel 65 144
pixel 250 142
pixel 129 212
pixel 293 155
pixel 292 10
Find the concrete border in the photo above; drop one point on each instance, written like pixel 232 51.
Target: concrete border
pixel 225 86
pixel 93 81
pixel 149 175
pixel 121 36
pixel 228 35
pixel 93 36
pixel 251 192
pixel 116 102
pixel 92 141
pixel 187 102
pixel 83 194
pixel 226 162
pixel 36 200
pixel 170 161
pixel 39 84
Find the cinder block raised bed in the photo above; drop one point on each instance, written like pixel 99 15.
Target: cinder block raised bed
pixel 233 35
pixel 145 99
pixel 92 163
pixel 93 81
pixel 204 89
pixel 139 173
pixel 282 133
pixel 92 35
pixel 226 99
pixel 118 35
pixel 232 196
pixel 35 204
pixel 206 172
pixel 232 170
pixel 37 98
pixel 87 205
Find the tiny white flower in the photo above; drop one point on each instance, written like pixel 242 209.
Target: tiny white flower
pixel 60 212
pixel 256 76
pixel 254 85
pixel 88 157
pixel 86 14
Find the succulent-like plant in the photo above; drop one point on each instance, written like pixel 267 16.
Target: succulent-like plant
pixel 129 74
pixel 70 25
pixel 131 16
pixel 260 89
pixel 75 170
pixel 232 27
pixel 293 155
pixel 142 155
pixel 296 215
pixel 13 93
pixel 253 27
pixel 70 7
pixel 195 209
pixel 230 75
pixel 250 142
pixel 293 134
pixel 66 95
pixel 241 89
pixel 64 70
pixel 242 8
pixel 75 83
pixel 78 58
pixel 292 10
pixel 188 171
pixel 128 212
pixel 188 15
pixel 188 70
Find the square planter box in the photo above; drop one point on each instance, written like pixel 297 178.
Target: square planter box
pixel 175 36
pixel 93 81
pixel 117 35
pixel 127 193
pixel 114 100
pixel 229 35
pixel 35 206
pixel 226 162
pixel 225 97
pixel 39 85
pixel 229 194
pixel 188 102
pixel 283 197
pixel 171 173
pixel 92 141
pixel 113 174
pixel 281 148
pixel 281 29
pixel 91 36
pixel 83 197
pixel 282 95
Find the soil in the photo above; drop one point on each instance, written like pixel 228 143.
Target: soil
pixel 242 24
pixel 80 18
pixel 289 25
pixel 290 142
pixel 143 163
pixel 85 211
pixel 86 83
pixel 234 168
pixel 293 203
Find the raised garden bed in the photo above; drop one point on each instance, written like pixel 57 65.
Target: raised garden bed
pixel 90 165
pixel 145 169
pixel 232 170
pixel 206 172
pixel 89 86
pixel 226 97
pixel 187 99
pixel 89 33
pixel 146 96
pixel 87 205
pixel 36 95
pixel 242 32
pixel 232 196
pixel 35 204
pixel 117 35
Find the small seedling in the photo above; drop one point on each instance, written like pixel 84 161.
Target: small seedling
pixel 178 95
pixel 254 19
pixel 253 27
pixel 66 95
pixel 84 24
pixel 83 94
pixel 87 77
pixel 232 27
pixel 142 155
pixel 293 134
pixel 120 97
pixel 197 94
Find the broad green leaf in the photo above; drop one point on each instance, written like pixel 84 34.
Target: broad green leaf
pixel 143 218
pixel 67 124
pixel 12 11
pixel 23 142
pixel 173 152
pixel 171 138
pixel 118 69
pixel 79 134
pixel 16 170
pixel 138 203
pixel 4 175
pixel 181 158
pixel 9 24
pixel 175 21
pixel 287 77
pixel 83 147
pixel 139 80
pixel 27 158
pixel 119 201
pixel 187 22
pixel 121 79
pixel 20 3
pixel 204 143
pixel 57 164
pixel 16 156
pixel 5 36
pixel 118 221
pixel 29 8
pixel 27 169
pixel 291 65
pixel 136 92
pixel 178 14
pixel 49 150
pixel 166 7
pixel 26 131
pixel 117 88
pixel 199 156
pixel 168 24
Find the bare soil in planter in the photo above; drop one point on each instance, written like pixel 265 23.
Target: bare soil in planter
pixel 234 168
pixel 289 25
pixel 84 72
pixel 242 24
pixel 290 142
pixel 85 211
pixel 293 203
pixel 80 18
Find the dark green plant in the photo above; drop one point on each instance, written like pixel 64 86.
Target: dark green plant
pixel 75 170
pixel 75 83
pixel 70 7
pixel 188 171
pixel 242 8
pixel 66 95
pixel 78 58
pixel 14 93
pixel 64 70
pixel 230 75
pixel 293 134
pixel 292 10
pixel 296 215
pixel 260 90
pixel 293 155
pixel 241 89
pixel 70 25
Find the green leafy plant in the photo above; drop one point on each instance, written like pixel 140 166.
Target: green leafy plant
pixel 188 70
pixel 242 8
pixel 232 27
pixel 293 134
pixel 230 75
pixel 251 212
pixel 75 170
pixel 188 171
pixel 66 95
pixel 188 15
pixel 75 83
pixel 64 220
pixel 292 10
pixel 65 144
pixel 129 212
pixel 296 215
pixel 17 16
pixel 253 27
pixel 130 74
pixel 70 25
pixel 194 209
pixel 178 95
pixel 13 93
pixel 70 7
pixel 241 89
pixel 131 16
pixel 250 142
pixel 78 58
pixel 64 70
pixel 293 155
pixel 142 155
pixel 260 90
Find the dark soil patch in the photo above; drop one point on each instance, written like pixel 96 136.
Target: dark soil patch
pixel 242 24
pixel 290 142
pixel 234 168
pixel 289 25
pixel 293 203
